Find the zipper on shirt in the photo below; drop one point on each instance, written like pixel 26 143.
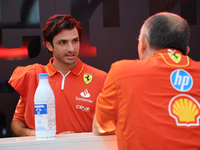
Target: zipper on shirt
pixel 63 80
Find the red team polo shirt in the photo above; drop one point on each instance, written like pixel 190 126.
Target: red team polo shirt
pixel 75 94
pixel 154 104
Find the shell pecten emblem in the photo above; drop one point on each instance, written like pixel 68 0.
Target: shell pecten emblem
pixel 185 110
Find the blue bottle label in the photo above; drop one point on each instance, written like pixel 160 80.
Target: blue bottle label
pixel 45 117
pixel 40 109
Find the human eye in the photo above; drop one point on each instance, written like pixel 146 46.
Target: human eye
pixel 76 40
pixel 62 42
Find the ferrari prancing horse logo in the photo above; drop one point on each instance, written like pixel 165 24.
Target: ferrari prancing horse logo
pixel 175 57
pixel 87 78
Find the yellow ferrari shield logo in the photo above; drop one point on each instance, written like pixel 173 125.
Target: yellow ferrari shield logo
pixel 87 78
pixel 175 57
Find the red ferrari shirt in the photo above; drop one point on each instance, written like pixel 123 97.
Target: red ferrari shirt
pixel 75 94
pixel 154 103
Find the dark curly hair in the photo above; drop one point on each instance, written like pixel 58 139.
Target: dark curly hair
pixel 56 24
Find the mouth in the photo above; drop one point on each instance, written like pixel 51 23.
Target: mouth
pixel 70 56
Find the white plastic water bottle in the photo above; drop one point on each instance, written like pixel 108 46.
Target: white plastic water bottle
pixel 45 120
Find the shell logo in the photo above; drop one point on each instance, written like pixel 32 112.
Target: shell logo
pixel 185 110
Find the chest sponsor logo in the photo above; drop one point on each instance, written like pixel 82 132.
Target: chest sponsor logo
pixel 181 80
pixel 83 108
pixel 175 57
pixel 85 93
pixel 87 78
pixel 185 110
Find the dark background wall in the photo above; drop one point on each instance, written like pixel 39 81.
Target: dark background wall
pixel 110 29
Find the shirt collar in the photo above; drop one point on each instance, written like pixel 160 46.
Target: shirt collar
pixel 76 71
pixel 166 50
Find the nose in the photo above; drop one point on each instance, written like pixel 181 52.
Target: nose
pixel 70 47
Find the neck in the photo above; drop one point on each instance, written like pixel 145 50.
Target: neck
pixel 64 68
pixel 164 50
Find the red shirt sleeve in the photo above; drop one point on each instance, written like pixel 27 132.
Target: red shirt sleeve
pixel 19 111
pixel 107 102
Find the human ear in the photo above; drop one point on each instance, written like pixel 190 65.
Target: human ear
pixel 49 46
pixel 143 44
pixel 188 50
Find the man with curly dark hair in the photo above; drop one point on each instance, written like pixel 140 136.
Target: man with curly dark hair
pixel 75 84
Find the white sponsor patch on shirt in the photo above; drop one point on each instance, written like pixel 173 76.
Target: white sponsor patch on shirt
pixel 83 108
pixel 85 93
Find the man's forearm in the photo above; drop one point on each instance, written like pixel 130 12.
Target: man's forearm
pixel 19 128
pixel 97 130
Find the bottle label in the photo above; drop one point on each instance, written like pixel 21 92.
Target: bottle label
pixel 45 117
pixel 40 109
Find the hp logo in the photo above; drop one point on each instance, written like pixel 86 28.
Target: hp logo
pixel 181 80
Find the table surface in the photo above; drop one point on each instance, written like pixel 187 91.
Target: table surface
pixel 75 141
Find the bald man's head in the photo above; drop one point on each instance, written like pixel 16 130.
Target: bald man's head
pixel 166 30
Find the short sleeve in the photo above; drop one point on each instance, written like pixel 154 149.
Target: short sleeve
pixel 107 103
pixel 20 109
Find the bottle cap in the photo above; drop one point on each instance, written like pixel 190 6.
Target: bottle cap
pixel 43 76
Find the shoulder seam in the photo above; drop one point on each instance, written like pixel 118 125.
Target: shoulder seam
pixel 21 75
